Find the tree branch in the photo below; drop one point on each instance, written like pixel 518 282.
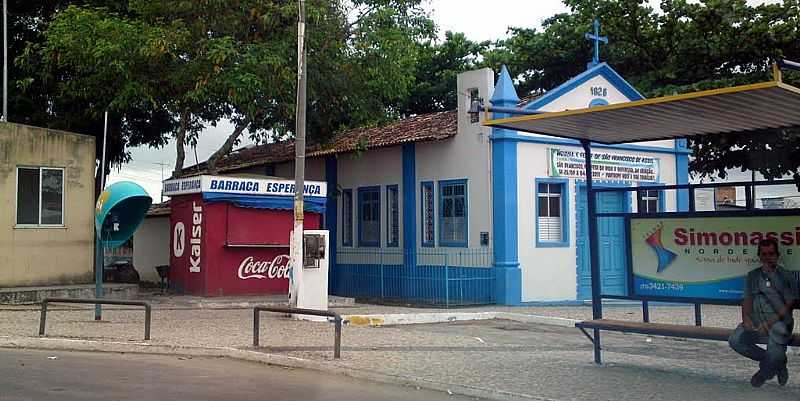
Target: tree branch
pixel 226 147
pixel 180 137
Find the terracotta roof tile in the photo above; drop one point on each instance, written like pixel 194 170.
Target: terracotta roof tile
pixel 422 128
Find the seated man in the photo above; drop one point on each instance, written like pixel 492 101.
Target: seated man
pixel 769 295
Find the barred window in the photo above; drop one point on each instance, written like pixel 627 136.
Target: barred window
pixel 392 216
pixel 347 217
pixel 428 228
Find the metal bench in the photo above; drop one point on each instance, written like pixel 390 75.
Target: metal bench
pixel 671 330
pixel 662 329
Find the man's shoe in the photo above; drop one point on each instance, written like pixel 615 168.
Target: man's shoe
pixel 758 379
pixel 783 375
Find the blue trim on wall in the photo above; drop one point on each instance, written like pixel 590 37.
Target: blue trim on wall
pixel 601 69
pixel 347 241
pixel 442 242
pixel 682 173
pixel 396 242
pixel 422 187
pixel 331 212
pixel 565 199
pixel 363 191
pixel 409 204
pixel 509 134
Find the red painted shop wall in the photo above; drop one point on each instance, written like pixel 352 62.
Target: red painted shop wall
pixel 182 252
pixel 237 261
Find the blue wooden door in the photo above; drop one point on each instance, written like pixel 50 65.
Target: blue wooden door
pixel 612 244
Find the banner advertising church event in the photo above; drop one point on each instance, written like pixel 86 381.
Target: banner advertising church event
pixel 705 257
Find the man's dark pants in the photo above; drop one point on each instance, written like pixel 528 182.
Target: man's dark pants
pixel 770 361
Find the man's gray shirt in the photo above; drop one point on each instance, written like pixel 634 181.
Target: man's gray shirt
pixel 770 291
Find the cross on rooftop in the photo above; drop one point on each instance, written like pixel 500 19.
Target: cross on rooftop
pixel 597 39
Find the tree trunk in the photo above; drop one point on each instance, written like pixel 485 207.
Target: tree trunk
pixel 179 143
pixel 225 148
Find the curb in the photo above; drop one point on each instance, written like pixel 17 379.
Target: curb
pixel 391 319
pixel 330 367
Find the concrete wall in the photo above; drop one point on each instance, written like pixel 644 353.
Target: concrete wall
pixel 151 247
pixel 47 256
pixel 550 274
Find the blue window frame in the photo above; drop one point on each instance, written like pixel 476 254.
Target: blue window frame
pixel 369 216
pixel 552 212
pixel 347 217
pixel 392 216
pixel 453 213
pixel 428 214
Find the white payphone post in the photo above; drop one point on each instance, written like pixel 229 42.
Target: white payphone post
pixel 309 282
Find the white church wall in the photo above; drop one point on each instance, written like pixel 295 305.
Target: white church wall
pixel 466 156
pixel 550 273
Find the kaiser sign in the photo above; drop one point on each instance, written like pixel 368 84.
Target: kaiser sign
pixel 705 257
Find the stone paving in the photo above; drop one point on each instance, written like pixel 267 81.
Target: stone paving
pixel 524 360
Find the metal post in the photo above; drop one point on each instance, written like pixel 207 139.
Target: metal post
pixel 5 60
pixel 594 260
pixel 300 153
pixel 147 314
pixel 381 265
pixel 446 283
pixel 43 318
pixel 256 326
pixel 100 254
pixel 646 311
pixel 692 205
pixel 337 342
pixel 698 317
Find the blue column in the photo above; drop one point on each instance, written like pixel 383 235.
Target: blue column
pixel 409 205
pixel 331 177
pixel 682 173
pixel 508 275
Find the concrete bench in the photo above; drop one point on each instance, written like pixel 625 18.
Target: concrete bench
pixel 662 329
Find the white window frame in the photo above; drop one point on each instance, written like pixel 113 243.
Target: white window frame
pixel 646 198
pixel 63 197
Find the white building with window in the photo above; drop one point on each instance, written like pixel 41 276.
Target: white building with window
pixel 438 208
pixel 47 214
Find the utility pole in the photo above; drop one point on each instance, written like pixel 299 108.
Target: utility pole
pixel 300 156
pixel 162 164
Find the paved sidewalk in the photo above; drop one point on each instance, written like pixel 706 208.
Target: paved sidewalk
pixel 497 359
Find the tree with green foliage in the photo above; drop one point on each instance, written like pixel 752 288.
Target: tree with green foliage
pixel 201 62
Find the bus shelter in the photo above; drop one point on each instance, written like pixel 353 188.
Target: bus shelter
pixel 727 111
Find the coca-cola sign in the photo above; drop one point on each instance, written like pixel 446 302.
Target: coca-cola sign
pixel 260 269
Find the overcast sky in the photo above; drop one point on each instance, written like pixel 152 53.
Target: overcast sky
pixel 478 20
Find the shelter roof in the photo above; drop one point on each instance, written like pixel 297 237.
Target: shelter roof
pixel 421 128
pixel 745 108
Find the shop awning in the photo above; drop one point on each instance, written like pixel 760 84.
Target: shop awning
pixel 767 105
pixel 310 203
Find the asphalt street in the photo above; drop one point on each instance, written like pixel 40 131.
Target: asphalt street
pixel 28 375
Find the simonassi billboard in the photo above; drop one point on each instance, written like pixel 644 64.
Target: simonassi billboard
pixel 704 257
